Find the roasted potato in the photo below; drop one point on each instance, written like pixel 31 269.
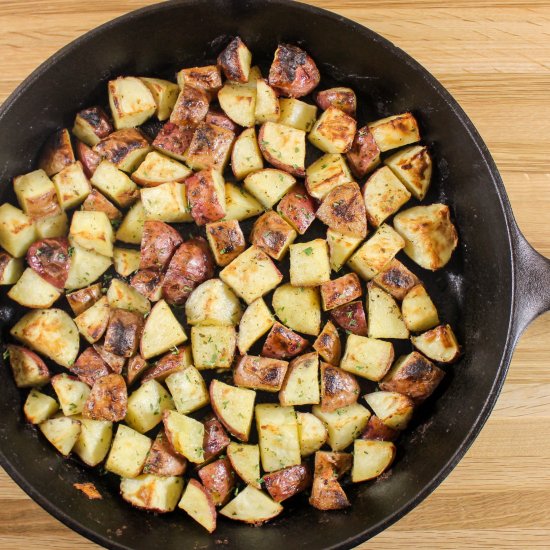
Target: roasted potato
pixel 72 186
pixel 309 263
pixel 174 139
pixel 131 102
pixel 123 332
pixel 56 153
pixel 297 114
pixel 108 399
pixel 123 296
pixel 351 317
pixel 326 492
pixel 87 157
pixel 158 244
pixel 338 388
pixel 439 344
pixel 226 240
pixel 213 346
pixel 27 367
pixel 216 439
pixel 191 106
pixel 377 430
pixel 213 303
pixel 17 230
pixel 298 308
pixel 163 460
pixel 39 407
pixel 125 148
pixel 50 259
pixel 392 408
pixel 218 479
pixel 371 458
pixel 153 493
pixel 297 208
pixel 239 204
pixel 36 195
pixel 340 97
pixel 71 393
pixel 328 344
pixel 267 107
pixel 283 147
pixel 340 291
pixel 128 452
pixel 125 261
pixel 301 385
pixel 283 343
pixel 115 362
pixel 131 228
pixel 185 434
pixel 93 321
pixel 89 367
pixel 136 367
pixel 197 502
pixel 206 78
pixel 94 440
pixel 341 247
pixel 288 482
pixel 96 202
pixel 33 291
pixel 167 202
pixel 238 102
pixel 165 94
pixel 268 186
pixel 10 269
pixel 210 147
pixel 333 132
pixel 235 61
pixel 343 210
pixel 251 506
pixel 293 72
pixel 245 460
pixel 312 433
pixel 92 125
pixel 219 118
pixel 149 283
pixel 385 318
pixel 260 373
pixel 93 232
pixel 61 432
pixel 364 154
pixel 367 357
pixel 272 234
pixel 177 360
pixel 206 195
pixel 146 406
pixel 157 169
pixel 395 131
pixel 246 156
pixel 413 166
pixel 325 174
pixel 255 322
pixel 115 184
pixel 53 226
pixel 396 279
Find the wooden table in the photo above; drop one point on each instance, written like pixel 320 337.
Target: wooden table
pixel 494 57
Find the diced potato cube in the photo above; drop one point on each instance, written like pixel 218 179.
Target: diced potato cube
pixel 255 322
pixel 301 385
pixel 413 166
pixel 419 312
pixel 92 231
pixel 312 433
pixel 85 267
pixel 396 279
pixel 371 459
pixel 123 296
pixel 27 367
pixel 61 432
pixel 128 452
pixel 17 230
pixel 251 506
pixel 333 132
pixel 325 174
pixel 385 319
pixel 246 156
pixel 39 407
pixel 364 155
pixel 155 493
pixel 174 139
pixel 207 78
pixel 239 103
pixel 340 97
pixel 197 502
pixel 226 240
pixel 126 261
pixel 213 346
pixel 328 344
pixel 439 344
pixel 71 393
pixel 260 373
pixel 272 234
pixel 125 148
pixel 213 303
pixel 245 460
pixel 166 202
pixel 36 194
pixel 297 114
pixel 190 108
pixel 92 323
pixel 52 227
pixel 235 61
pixel 298 209
pixel 284 147
pixel 164 93
pixel 267 103
pixel 158 168
pixel 392 408
pixel 131 228
pixel 188 390
pixel 185 434
pixel 10 269
pixel 33 291
pixel 210 147
pixel 344 424
pixel 72 186
pixel 91 125
pixel 395 131
pixel 298 308
pixel 131 102
pixel 367 357
pixel 239 204
pixel 341 247
pixel 146 406
pixel 94 440
pixel 309 263
pixel 115 184
pixel 206 196
pixel 269 185
pixel 56 153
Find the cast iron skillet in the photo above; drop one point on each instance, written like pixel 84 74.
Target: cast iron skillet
pixel 495 285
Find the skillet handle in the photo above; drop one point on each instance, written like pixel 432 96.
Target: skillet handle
pixel 532 282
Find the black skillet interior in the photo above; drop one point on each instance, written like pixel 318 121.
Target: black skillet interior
pixel 478 281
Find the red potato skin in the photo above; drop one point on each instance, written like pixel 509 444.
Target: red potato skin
pixel 364 155
pixel 341 98
pixel 297 208
pixel 108 399
pixel 326 492
pixel 228 61
pixel 260 373
pixel 50 259
pixel 89 367
pixel 376 429
pixel 218 479
pixel 351 317
pixel 158 244
pixel 340 291
pixel 18 356
pixel 123 332
pixel 82 299
pixel 203 200
pixel 191 265
pixel 328 344
pixel 228 240
pixel 191 106
pixel 136 366
pixel 163 460
pixel 206 78
pixel 174 139
pixel 97 202
pixel 283 343
pixel 115 362
pixel 288 482
pixel 166 365
pixel 270 233
pixel 215 438
pixel 56 153
pixel 219 118
pixel 148 282
pixel 338 388
pixel 98 120
pixel 210 146
pixel 396 279
pixel 118 145
pixel 293 72
pixel 88 157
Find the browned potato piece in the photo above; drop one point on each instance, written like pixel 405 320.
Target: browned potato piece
pixel 115 362
pixel 174 361
pixel 50 259
pixel 82 299
pixel 215 438
pixel 219 118
pixel 108 399
pixel 125 148
pixel 191 106
pixel 163 460
pixel 439 344
pixel 148 282
pixel 260 373
pixel 56 153
pixel 283 147
pixel 206 196
pixel 272 234
pixel 226 240
pixel 351 317
pixel 297 208
pixel 191 265
pixel 89 367
pixel 340 97
pixel 36 195
pixel 288 482
pixel 414 376
pixel 396 279
pixel 206 78
pixel 92 125
pixel 123 332
pixel 158 244
pixel 136 367
pixel 174 139
pixel 283 343
pixel 235 61
pixel 343 210
pixel 97 202
pixel 340 291
pixel 218 479
pixel 293 73
pixel 88 157
pixel 326 492
pixel 210 147
pixel 364 155
pixel 28 368
pixel 328 344
pixel 376 429
pixel 338 388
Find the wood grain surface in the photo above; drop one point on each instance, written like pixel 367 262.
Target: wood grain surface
pixel 494 57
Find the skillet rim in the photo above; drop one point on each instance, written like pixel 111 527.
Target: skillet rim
pixel 512 234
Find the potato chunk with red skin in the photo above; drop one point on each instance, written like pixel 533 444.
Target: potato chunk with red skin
pixel 27 367
pixel 340 97
pixel 343 210
pixel 97 202
pixel 328 344
pixel 340 291
pixel 219 118
pixel 210 147
pixel 206 78
pixel 272 234
pixel 226 240
pixel 158 244
pixel 136 367
pixel 168 364
pixel 50 259
pixel 115 362
pixel 297 208
pixel 396 279
pixel 163 460
pixel 191 106
pixel 288 482
pixel 351 317
pixel 338 388
pixel 148 282
pixel 93 122
pixel 260 373
pixel 89 367
pixel 120 146
pixel 364 155
pixel 82 299
pixel 108 399
pixel 56 153
pixel 235 60
pixel 191 265
pixel 206 196
pixel 215 438
pixel 88 157
pixel 218 479
pixel 123 332
pixel 174 139
pixel 293 72
pixel 326 491
pixel 413 375
pixel 377 430
pixel 283 343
